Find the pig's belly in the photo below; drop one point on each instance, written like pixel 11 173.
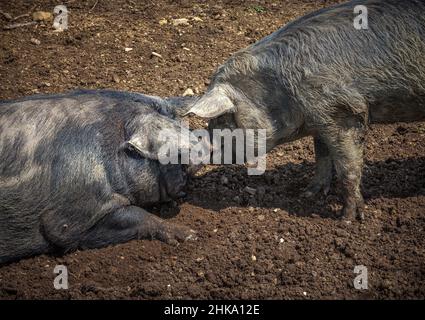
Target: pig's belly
pixel 398 108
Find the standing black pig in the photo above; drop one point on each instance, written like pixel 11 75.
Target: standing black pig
pixel 76 170
pixel 321 76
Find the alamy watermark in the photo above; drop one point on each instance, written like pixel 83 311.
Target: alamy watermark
pixel 361 280
pixel 60 22
pixel 61 280
pixel 361 21
pixel 221 146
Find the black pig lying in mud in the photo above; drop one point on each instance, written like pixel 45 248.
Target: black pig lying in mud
pixel 320 76
pixel 76 170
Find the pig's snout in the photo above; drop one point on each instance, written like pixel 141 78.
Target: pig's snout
pixel 172 182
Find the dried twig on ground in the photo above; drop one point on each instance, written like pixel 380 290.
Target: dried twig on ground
pixel 6 15
pixel 21 16
pixel 18 25
pixel 94 6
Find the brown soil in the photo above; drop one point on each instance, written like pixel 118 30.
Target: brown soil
pixel 300 249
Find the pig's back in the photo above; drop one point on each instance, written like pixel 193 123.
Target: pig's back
pixel 384 65
pixel 391 15
pixel 30 129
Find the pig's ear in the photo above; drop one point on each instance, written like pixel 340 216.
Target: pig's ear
pixel 141 144
pixel 212 105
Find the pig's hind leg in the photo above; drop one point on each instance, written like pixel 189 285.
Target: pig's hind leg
pixel 324 170
pixel 130 223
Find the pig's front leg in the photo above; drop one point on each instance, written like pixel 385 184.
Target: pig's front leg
pixel 130 223
pixel 323 176
pixel 346 149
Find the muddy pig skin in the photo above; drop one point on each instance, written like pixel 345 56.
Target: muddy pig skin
pixel 320 76
pixel 77 169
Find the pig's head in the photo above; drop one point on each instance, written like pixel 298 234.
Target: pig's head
pixel 247 93
pixel 150 135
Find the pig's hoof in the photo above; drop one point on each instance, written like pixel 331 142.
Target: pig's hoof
pixel 174 234
pixel 350 213
pixel 315 188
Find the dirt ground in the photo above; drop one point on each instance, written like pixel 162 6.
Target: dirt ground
pixel 270 245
